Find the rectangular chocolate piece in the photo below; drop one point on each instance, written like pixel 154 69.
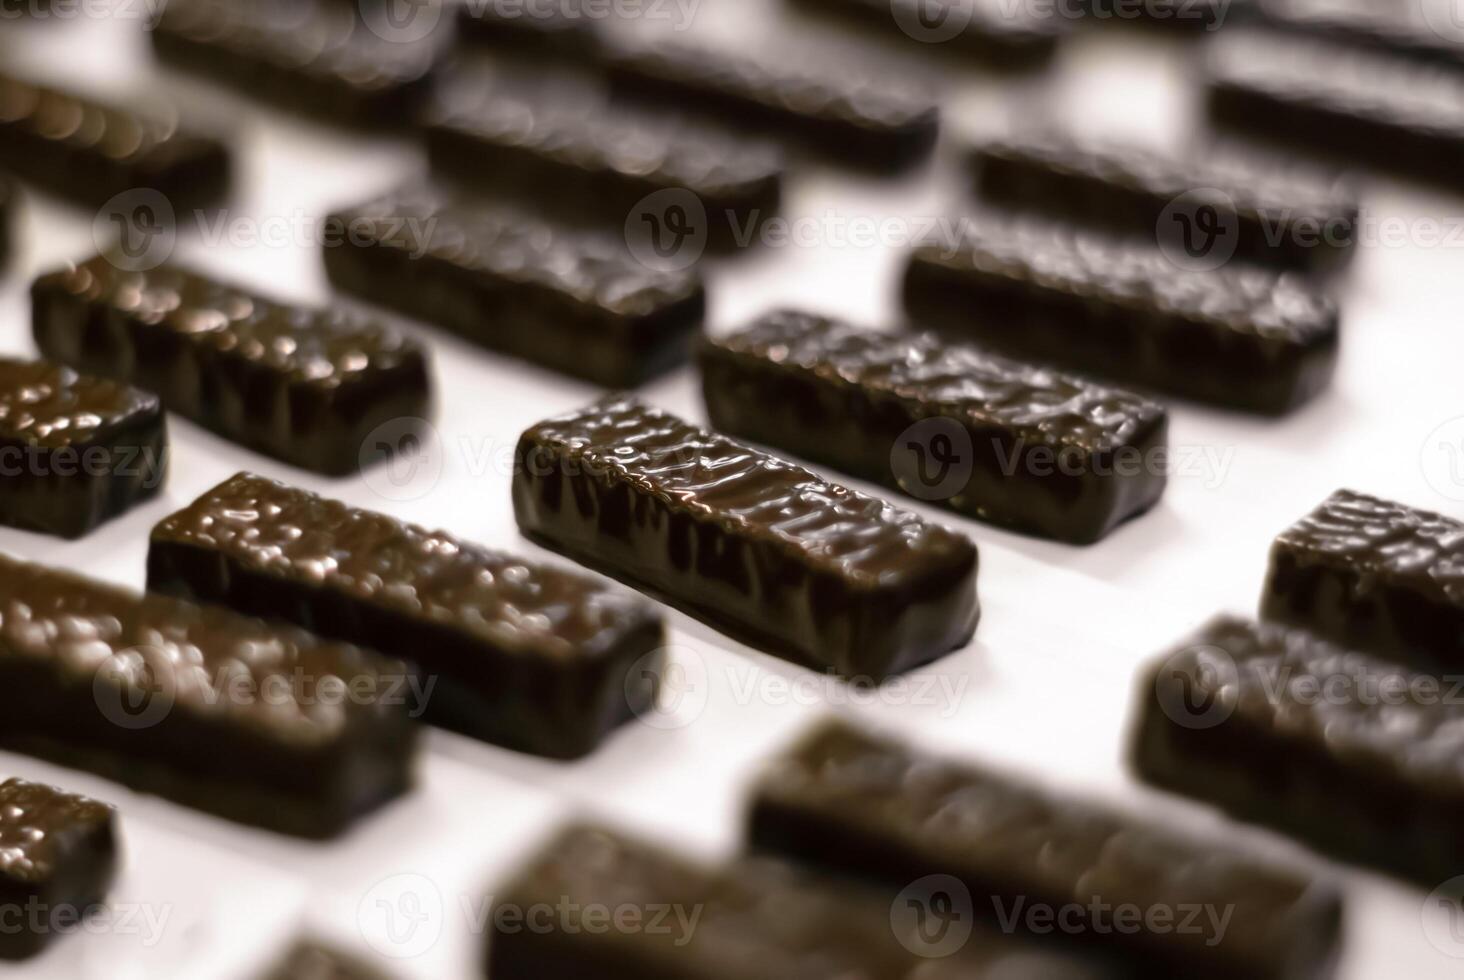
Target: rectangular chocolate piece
pixel 753 919
pixel 1372 575
pixel 861 804
pixel 995 439
pixel 520 653
pixel 317 56
pixel 1234 336
pixel 75 450
pixel 90 151
pixel 575 302
pixel 256 722
pixel 58 857
pixel 301 385
pixel 1418 28
pixel 755 546
pixel 993 30
pixel 1353 754
pixel 1273 215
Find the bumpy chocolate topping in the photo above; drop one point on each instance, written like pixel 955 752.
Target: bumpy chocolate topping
pixel 49 405
pixel 42 830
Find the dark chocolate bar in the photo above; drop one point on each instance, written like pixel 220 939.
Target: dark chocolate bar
pixel 1268 215
pixel 9 208
pixel 75 450
pixel 754 919
pixel 559 28
pixel 860 804
pixel 575 302
pixel 995 439
pixel 1355 755
pixel 256 722
pixel 1235 336
pixel 314 961
pixel 317 56
pixel 993 30
pixel 304 386
pixel 757 547
pixel 520 653
pixel 1372 575
pixel 1185 15
pixel 58 856
pixel 90 152
pixel 1417 28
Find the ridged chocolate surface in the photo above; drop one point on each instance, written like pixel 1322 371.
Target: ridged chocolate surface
pixel 865 805
pixel 1353 754
pixel 758 546
pixel 543 653
pixel 843 396
pixel 302 385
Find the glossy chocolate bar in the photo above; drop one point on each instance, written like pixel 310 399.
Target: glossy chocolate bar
pixel 302 385
pixel 58 856
pixel 575 302
pixel 1355 755
pixel 318 56
pixel 75 450
pixel 1235 336
pixel 1372 575
pixel 1269 215
pixel 863 805
pixel 257 722
pixel 993 30
pixel 314 961
pixel 560 28
pixel 90 151
pixel 1424 29
pixel 757 547
pixel 753 919
pixel 995 439
pixel 520 653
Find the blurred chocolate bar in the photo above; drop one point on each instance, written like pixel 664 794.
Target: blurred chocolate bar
pixel 559 28
pixel 997 31
pixel 1430 29
pixel 1183 15
pixel 308 960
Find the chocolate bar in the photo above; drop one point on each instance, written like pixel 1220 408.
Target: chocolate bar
pixel 90 151
pixel 855 119
pixel 560 28
pixel 1267 215
pixel 1189 15
pixel 75 451
pixel 303 386
pixel 995 439
pixel 58 856
pixel 521 654
pixel 314 961
pixel 863 805
pixel 9 208
pixel 992 30
pixel 1353 754
pixel 754 546
pixel 1417 28
pixel 1373 575
pixel 256 722
pixel 755 919
pixel 575 302
pixel 1235 336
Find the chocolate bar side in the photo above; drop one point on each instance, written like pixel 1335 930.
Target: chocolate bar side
pixel 1364 23
pixel 1044 453
pixel 982 29
pixel 759 548
pixel 554 30
pixel 520 654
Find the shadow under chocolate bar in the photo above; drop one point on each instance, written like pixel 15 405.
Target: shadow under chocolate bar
pixel 301 385
pixel 1043 865
pixel 1352 754
pixel 75 451
pixel 1000 32
pixel 255 722
pixel 519 653
pixel 572 301
pixel 1235 336
pixel 754 546
pixel 1424 29
pixel 1002 441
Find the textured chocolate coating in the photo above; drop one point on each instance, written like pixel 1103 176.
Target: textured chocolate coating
pixel 312 961
pixel 317 56
pixel 845 397
pixel 90 152
pixel 1235 336
pixel 856 119
pixel 304 386
pixel 75 450
pixel 755 919
pixel 990 29
pixel 1355 755
pixel 58 856
pixel 551 28
pixel 1274 216
pixel 858 803
pixel 757 547
pixel 260 723
pixel 1400 26
pixel 1373 575
pixel 524 654
pixel 574 302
